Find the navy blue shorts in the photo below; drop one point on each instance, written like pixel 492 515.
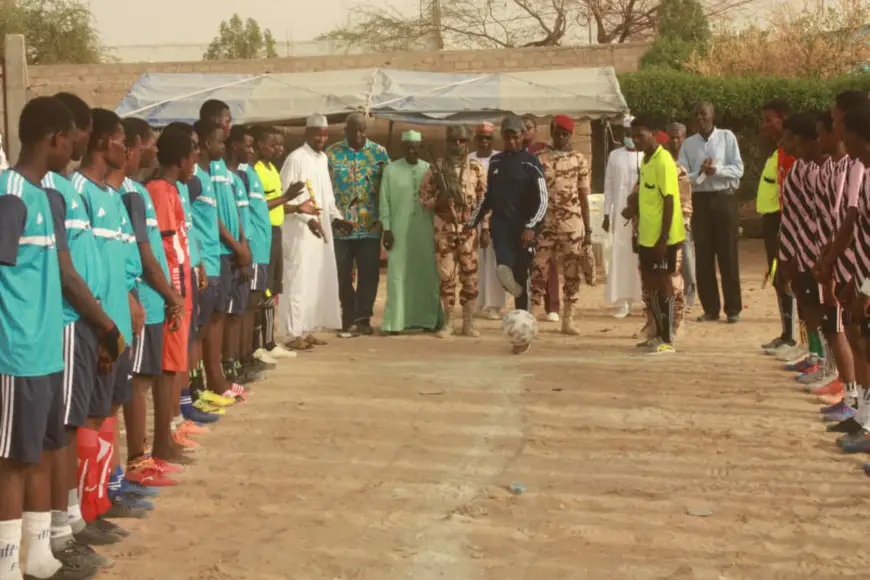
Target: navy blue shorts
pixel 260 278
pixel 31 416
pixel 209 299
pixel 113 387
pixel 79 378
pixel 147 351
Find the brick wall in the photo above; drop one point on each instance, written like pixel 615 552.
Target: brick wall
pixel 104 85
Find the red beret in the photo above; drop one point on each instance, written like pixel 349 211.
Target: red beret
pixel 564 122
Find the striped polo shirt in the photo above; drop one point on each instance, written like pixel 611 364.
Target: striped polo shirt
pixel 799 230
pixel 852 188
pixel 832 178
pixel 861 245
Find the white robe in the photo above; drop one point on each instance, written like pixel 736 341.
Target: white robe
pixel 623 277
pixel 310 299
pixel 492 295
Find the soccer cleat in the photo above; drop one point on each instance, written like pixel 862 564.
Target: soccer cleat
pixel 835 387
pixel 852 438
pixel 860 446
pixel 73 552
pixel 839 412
pixel 238 390
pixel 109 527
pixel 648 343
pixel 71 569
pixel 662 348
pixel 195 415
pixel 208 408
pixel 183 441
pixel 166 467
pixel 811 376
pixel 128 507
pixel 789 354
pixel 146 473
pixel 849 427
pixel 831 399
pixel 802 364
pixel 216 400
pixel 773 343
pixel 134 489
pixel 92 536
pixel 780 347
pixel 190 428
pixel 264 357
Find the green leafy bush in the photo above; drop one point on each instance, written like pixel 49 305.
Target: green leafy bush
pixel 668 95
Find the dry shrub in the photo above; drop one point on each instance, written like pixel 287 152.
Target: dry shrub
pixel 818 40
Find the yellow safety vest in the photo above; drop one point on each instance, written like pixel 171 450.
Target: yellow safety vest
pixel 272 187
pixel 767 200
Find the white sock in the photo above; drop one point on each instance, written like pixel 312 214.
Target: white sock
pixel 74 509
pixel 40 562
pixel 10 550
pixel 61 532
pixel 177 421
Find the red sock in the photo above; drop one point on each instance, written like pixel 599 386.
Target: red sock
pixel 88 476
pixel 104 463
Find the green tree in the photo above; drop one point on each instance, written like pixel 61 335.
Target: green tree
pixel 683 30
pixel 55 31
pixel 239 39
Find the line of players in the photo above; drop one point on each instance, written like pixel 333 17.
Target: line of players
pixel 820 256
pixel 110 288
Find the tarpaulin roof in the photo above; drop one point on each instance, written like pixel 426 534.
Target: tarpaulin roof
pixel 398 95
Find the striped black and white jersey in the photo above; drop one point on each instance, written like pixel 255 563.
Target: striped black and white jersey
pixel 799 241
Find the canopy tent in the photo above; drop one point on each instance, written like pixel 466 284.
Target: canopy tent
pixel 396 95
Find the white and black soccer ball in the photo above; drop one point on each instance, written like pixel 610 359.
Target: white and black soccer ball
pixel 520 327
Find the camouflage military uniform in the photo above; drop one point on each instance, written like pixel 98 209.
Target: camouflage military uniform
pixel 563 232
pixel 455 249
pixel 677 276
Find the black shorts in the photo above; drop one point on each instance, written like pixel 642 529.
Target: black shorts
pixel 79 379
pixel 31 416
pixel 834 319
pixel 808 289
pixel 260 278
pixel 237 301
pixel 229 279
pixel 113 387
pixel 209 300
pixel 649 264
pixel 276 263
pixel 147 351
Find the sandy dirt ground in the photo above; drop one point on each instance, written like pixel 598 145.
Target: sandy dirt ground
pixel 390 458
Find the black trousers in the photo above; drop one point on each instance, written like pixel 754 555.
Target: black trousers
pixel 507 243
pixel 357 304
pixel 714 226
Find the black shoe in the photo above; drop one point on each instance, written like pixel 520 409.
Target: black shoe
pixel 96 536
pixel 365 327
pixel 850 427
pixel 78 554
pixel 119 510
pixel 107 526
pixel 708 318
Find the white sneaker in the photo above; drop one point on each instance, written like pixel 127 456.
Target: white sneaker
pixel 281 352
pixel 623 311
pixel 261 355
pixel 788 352
pixel 553 317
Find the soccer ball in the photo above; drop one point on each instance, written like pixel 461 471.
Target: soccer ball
pixel 520 327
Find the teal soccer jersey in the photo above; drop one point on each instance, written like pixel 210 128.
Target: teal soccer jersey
pixel 205 221
pixel 105 208
pixel 243 203
pixel 225 194
pixel 129 237
pixel 259 228
pixel 31 301
pixel 143 218
pixel 83 248
pixel 192 243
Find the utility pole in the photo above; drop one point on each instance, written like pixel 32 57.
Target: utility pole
pixel 436 25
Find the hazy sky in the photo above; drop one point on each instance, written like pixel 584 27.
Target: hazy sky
pixel 197 21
